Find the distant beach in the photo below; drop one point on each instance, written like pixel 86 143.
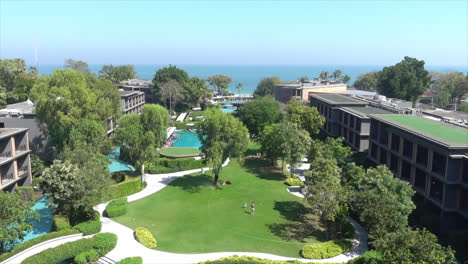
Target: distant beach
pixel 250 75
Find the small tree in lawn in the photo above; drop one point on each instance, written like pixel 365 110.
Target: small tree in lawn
pixel 325 192
pixel 16 219
pixel 222 136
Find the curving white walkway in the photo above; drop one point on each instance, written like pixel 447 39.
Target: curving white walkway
pixel 127 246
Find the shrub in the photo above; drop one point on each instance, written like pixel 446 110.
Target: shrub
pixel 347 229
pixel 123 189
pixel 86 257
pixel 117 207
pixel 36 241
pixel 119 176
pixel 228 182
pixel 60 223
pixel 294 182
pixel 104 242
pixel 325 250
pixel 89 227
pixel 370 257
pixel 145 237
pixel 251 260
pixel 166 165
pixel 132 260
pixel 26 193
pixel 36 182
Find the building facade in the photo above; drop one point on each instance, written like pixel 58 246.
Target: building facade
pixel 131 102
pixel 145 86
pixel 284 92
pixel 432 157
pixel 15 162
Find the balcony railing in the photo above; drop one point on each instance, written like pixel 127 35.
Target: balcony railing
pixel 5 155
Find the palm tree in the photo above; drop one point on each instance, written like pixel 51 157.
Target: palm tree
pixel 336 74
pixel 346 79
pixel 324 75
pixel 239 87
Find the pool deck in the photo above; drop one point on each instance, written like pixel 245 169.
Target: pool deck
pixel 181 117
pixel 170 130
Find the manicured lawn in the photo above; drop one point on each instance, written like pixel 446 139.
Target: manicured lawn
pixel 192 216
pixel 179 151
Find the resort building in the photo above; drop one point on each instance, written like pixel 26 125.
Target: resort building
pixel 432 156
pixel 22 115
pixel 284 92
pixel 15 163
pixel 145 86
pixel 131 102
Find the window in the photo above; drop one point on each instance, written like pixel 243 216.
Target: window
pixel 374 129
pixel 383 135
pixel 383 156
pixel 351 121
pixel 373 151
pixel 345 131
pixel 420 180
pixel 394 164
pixel 422 155
pixel 346 118
pixel 356 140
pixel 406 171
pixel 340 116
pixel 395 143
pixel 465 172
pixel 437 190
pixel 407 149
pixel 358 124
pixel 2 125
pixel 439 163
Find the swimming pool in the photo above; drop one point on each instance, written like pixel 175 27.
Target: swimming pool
pixel 186 139
pixel 116 164
pixel 41 226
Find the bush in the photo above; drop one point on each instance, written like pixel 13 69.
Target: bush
pixel 89 227
pixel 119 176
pixel 294 182
pixel 132 260
pixel 325 250
pixel 117 207
pixel 104 242
pixel 123 189
pixel 36 182
pixel 60 223
pixel 87 257
pixel 228 182
pixel 166 165
pixel 36 241
pixel 251 260
pixel 145 237
pixel 370 257
pixel 26 193
pixel 347 229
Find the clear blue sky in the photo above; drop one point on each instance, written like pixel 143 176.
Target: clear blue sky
pixel 235 32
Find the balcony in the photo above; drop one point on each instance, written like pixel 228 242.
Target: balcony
pixel 21 149
pixel 8 178
pixel 23 171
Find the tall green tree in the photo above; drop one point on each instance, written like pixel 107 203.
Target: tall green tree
pixel 413 246
pixel 166 74
pixel 117 73
pixel 3 97
pixel 331 148
pixel 171 93
pixel 196 90
pixel 267 86
pixel 9 70
pixel 383 202
pixel 336 74
pixel 16 219
pixel 239 87
pixel 405 80
pixel 324 75
pixel 346 79
pixel 326 194
pixel 450 87
pixel 222 136
pixel 155 118
pixel 303 79
pixel 306 117
pixel 367 81
pixel 87 131
pixel 219 82
pixel 77 65
pixel 259 113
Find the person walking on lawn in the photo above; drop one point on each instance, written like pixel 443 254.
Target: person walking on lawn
pixel 253 208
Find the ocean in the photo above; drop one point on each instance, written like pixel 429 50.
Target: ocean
pixel 250 75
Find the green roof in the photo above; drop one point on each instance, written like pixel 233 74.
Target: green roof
pixel 336 98
pixel 368 110
pixel 433 129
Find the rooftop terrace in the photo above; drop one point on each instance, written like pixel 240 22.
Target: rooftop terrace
pixel 337 99
pixel 432 129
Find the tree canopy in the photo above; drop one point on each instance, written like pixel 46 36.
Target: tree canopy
pixel 117 73
pixel 77 65
pixel 171 93
pixel 166 74
pixel 331 148
pixel 405 80
pixel 15 82
pixel 155 118
pixel 450 86
pixel 259 113
pixel 367 81
pixel 221 136
pixel 307 118
pixel 267 86
pixel 219 82
pixel 196 89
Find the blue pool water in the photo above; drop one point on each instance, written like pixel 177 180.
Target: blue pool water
pixel 186 139
pixel 116 164
pixel 41 226
pixel 228 109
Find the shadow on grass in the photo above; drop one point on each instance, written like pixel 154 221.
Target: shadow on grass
pixel 301 223
pixel 263 169
pixel 193 184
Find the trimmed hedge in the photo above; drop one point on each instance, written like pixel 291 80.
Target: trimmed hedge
pixel 60 223
pixel 35 241
pixel 123 189
pixel 145 237
pixel 251 260
pixel 26 193
pixel 166 165
pixel 104 242
pixel 325 250
pixel 89 227
pixel 132 260
pixel 294 182
pixel 370 257
pixel 117 207
pixel 87 257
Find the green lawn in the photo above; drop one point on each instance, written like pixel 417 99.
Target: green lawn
pixel 431 128
pixel 176 151
pixel 192 216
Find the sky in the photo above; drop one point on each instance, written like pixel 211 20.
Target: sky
pixel 241 32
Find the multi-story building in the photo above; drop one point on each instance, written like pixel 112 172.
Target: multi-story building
pixel 346 117
pixel 284 92
pixel 15 163
pixel 432 156
pixel 145 86
pixel 131 102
